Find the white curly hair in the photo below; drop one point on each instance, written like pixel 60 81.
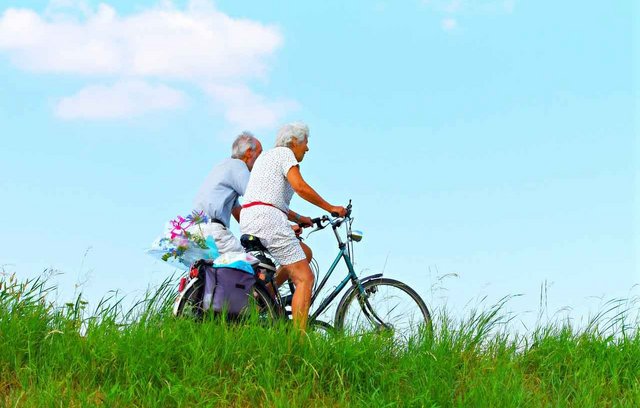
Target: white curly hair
pixel 296 130
pixel 245 141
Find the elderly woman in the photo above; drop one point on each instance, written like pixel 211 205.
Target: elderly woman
pixel 266 214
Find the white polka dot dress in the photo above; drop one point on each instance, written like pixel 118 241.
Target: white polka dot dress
pixel 268 184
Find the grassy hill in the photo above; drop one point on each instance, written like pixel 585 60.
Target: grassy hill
pixel 155 360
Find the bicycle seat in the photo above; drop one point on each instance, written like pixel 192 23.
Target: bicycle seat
pixel 252 243
pixel 265 264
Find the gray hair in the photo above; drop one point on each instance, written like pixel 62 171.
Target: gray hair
pixel 245 141
pixel 296 130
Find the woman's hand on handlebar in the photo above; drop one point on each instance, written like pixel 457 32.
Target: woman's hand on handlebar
pixel 338 211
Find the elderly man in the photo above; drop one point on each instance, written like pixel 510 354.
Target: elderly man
pixel 218 196
pixel 266 213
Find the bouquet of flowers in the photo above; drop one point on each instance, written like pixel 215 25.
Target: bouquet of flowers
pixel 180 246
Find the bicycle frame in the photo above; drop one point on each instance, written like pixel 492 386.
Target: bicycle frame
pixel 351 276
pixel 356 283
pixel 345 253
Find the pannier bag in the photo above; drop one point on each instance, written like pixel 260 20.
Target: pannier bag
pixel 226 288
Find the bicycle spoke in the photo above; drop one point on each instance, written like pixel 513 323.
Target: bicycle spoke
pixel 390 306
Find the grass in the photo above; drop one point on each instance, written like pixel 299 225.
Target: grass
pixel 71 357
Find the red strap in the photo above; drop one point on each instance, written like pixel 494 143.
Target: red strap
pixel 260 203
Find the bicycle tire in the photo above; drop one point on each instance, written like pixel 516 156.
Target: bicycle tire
pixel 399 307
pixel 191 303
pixel 323 328
pixel 263 304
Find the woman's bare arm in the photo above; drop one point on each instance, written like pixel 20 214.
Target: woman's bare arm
pixel 305 191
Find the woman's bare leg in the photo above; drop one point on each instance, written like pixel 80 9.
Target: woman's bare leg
pixel 302 276
pixel 282 275
pixel 307 251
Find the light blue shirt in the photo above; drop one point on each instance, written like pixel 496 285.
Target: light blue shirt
pixel 222 187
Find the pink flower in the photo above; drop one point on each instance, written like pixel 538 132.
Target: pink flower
pixel 181 242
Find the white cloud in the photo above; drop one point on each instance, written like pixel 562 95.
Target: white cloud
pixel 244 108
pixel 195 45
pixel 163 42
pixel 123 100
pixel 449 24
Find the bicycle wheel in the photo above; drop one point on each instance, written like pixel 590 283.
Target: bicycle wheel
pixel 388 306
pixel 323 328
pixel 261 305
pixel 191 303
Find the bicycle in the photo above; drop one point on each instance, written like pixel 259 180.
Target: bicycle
pixel 371 303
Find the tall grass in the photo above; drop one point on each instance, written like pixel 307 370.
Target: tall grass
pixel 72 357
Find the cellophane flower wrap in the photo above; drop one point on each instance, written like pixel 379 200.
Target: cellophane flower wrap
pixel 183 242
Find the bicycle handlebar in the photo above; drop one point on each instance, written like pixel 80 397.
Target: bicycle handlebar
pixel 318 221
pixel 348 213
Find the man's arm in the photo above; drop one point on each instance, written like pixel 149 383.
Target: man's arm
pixel 239 184
pixel 235 211
pixel 240 178
pixel 299 219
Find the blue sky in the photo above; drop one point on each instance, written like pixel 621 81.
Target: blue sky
pixel 495 140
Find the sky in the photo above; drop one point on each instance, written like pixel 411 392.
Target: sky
pixel 490 148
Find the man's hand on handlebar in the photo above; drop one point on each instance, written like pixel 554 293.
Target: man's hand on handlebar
pixel 305 222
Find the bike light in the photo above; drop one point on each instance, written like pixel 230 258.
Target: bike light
pixel 183 283
pixel 356 235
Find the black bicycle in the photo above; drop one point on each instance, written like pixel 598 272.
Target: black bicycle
pixel 371 303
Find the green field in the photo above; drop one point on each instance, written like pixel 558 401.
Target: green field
pixel 154 360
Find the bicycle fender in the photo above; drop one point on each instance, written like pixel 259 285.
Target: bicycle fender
pixel 176 303
pixel 351 289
